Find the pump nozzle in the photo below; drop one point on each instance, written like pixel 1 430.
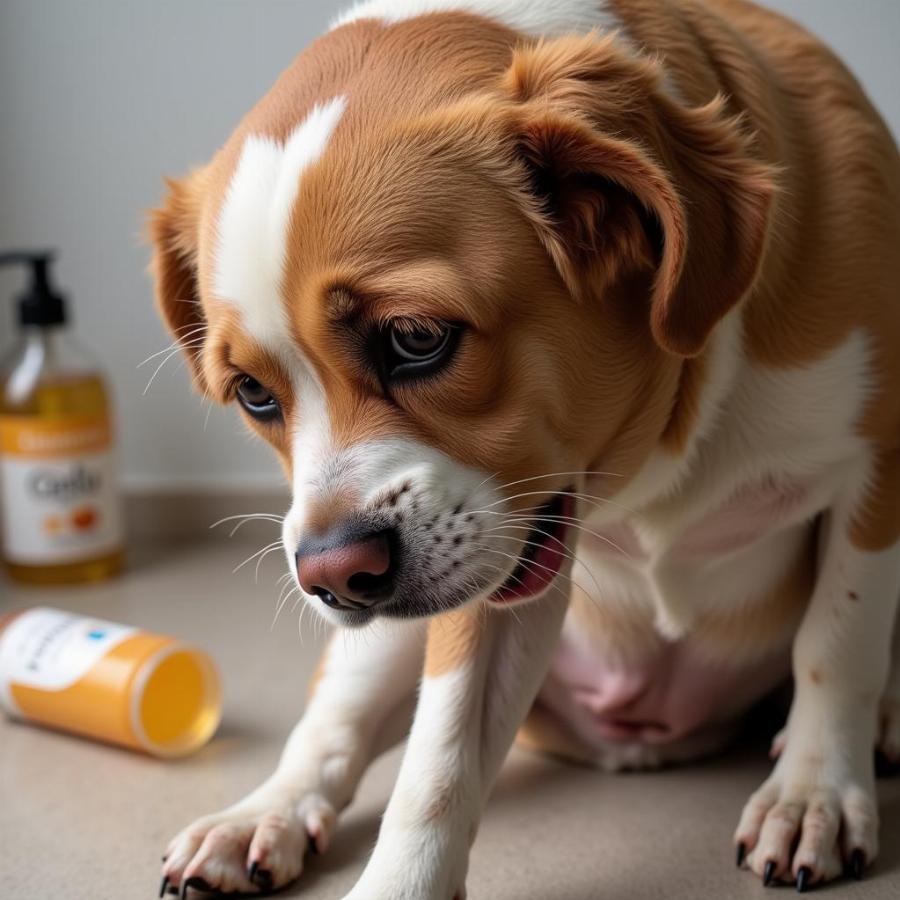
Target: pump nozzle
pixel 39 304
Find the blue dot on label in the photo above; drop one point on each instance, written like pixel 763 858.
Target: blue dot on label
pixel 97 634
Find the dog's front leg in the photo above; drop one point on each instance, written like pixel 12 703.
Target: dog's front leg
pixel 817 811
pixel 359 706
pixel 483 669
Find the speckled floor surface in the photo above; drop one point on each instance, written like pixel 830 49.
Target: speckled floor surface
pixel 79 820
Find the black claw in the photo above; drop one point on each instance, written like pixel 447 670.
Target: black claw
pixel 164 886
pixel 313 844
pixel 262 878
pixel 768 873
pixel 741 854
pixel 857 863
pixel 199 884
pixel 803 877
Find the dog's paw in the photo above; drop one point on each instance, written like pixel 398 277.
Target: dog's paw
pixel 808 823
pixel 250 848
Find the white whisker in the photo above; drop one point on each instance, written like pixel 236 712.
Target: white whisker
pixel 177 344
pixel 531 562
pixel 555 475
pixel 564 551
pixel 248 517
pixel 282 603
pixel 209 409
pixel 159 368
pixel 267 549
pixel 272 549
pixel 591 499
pixel 566 520
pixel 519 581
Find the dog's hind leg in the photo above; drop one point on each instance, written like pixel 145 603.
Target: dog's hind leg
pixel 361 704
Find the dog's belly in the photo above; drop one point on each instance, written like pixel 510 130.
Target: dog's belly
pixel 665 639
pixel 659 700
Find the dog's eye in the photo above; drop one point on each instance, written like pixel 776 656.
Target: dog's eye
pixel 416 350
pixel 257 400
pixel 418 344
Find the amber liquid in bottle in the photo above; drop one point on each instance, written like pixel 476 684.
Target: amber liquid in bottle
pixel 49 382
pixel 106 681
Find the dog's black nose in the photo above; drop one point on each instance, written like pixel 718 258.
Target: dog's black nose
pixel 349 567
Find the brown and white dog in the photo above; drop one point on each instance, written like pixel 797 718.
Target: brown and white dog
pixel 590 304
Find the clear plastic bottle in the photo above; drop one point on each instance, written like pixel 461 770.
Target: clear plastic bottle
pixel 61 518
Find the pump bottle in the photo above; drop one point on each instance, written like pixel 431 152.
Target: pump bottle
pixel 59 506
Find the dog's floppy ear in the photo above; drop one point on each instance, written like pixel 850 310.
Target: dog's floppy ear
pixel 174 233
pixel 624 175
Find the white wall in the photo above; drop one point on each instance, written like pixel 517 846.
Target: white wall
pixel 100 98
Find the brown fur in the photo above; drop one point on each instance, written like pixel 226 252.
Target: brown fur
pixel 762 627
pixel 616 222
pixel 329 510
pixel 319 671
pixel 452 639
pixel 547 733
pixel 359 232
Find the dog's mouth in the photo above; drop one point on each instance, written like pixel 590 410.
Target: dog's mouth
pixel 543 553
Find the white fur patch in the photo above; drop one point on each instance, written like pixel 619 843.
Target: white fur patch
pixel 310 451
pixel 792 430
pixel 541 18
pixel 254 219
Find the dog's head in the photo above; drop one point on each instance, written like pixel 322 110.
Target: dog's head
pixel 444 295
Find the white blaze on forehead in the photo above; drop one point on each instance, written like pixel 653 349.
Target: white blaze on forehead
pixel 541 18
pixel 311 440
pixel 311 449
pixel 253 223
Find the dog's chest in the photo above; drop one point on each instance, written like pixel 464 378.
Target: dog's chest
pixel 683 563
pixel 754 509
pixel 719 525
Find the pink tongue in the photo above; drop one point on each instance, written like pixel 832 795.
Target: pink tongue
pixel 538 572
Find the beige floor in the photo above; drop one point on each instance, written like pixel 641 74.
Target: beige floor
pixel 80 820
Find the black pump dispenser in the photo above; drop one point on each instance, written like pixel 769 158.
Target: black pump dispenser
pixel 39 304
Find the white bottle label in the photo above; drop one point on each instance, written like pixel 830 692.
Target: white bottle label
pixel 57 480
pixel 51 650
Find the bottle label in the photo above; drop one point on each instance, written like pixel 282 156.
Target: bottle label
pixel 57 480
pixel 51 650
